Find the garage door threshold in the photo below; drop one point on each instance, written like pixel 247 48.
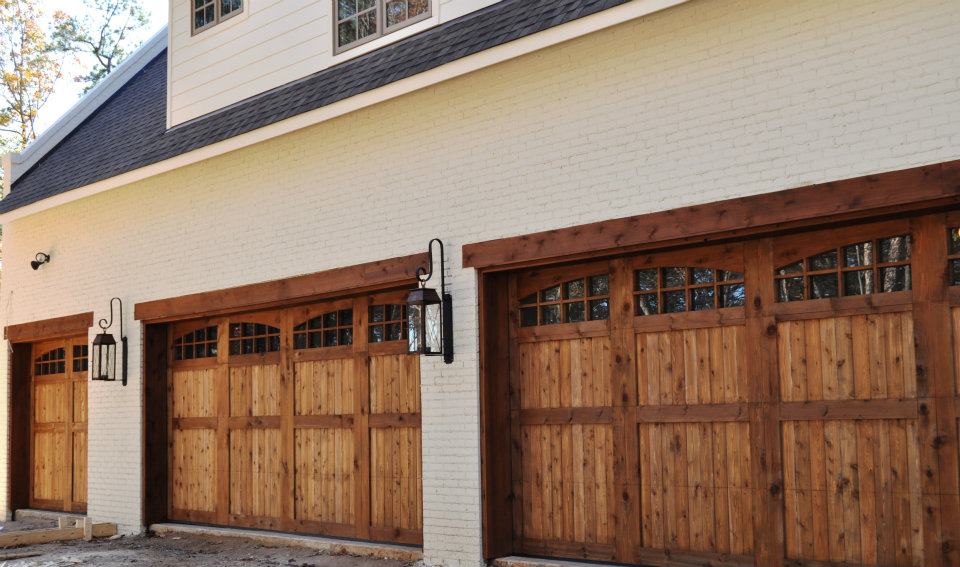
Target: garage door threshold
pixel 327 545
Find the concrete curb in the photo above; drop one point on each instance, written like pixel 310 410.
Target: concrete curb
pixel 326 545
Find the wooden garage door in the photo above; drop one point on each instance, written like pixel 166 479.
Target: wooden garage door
pixel 755 403
pixel 58 445
pixel 304 419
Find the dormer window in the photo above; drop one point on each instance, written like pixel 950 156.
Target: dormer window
pixel 360 21
pixel 208 13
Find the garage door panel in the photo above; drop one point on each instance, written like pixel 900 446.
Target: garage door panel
pixel 80 401
pixel 325 475
pixel 194 472
pixel 255 390
pixel 193 393
pixel 256 472
pixel 696 489
pixel 565 373
pixel 325 387
pixel 396 478
pixel 860 357
pixel 693 366
pixel 79 479
pixel 394 384
pixel 853 492
pixel 52 402
pixel 567 483
pixel 49 464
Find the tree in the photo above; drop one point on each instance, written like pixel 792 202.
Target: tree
pixel 102 31
pixel 29 70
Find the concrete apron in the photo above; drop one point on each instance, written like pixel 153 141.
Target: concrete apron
pixel 326 545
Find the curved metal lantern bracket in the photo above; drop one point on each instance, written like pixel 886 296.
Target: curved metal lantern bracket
pixel 446 306
pixel 104 325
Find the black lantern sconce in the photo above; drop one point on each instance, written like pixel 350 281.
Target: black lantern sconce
pixel 104 355
pixel 40 260
pixel 429 314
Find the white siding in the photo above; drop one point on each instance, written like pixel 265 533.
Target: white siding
pixel 271 43
pixel 711 100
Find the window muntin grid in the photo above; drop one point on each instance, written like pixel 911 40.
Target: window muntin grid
pixel 880 265
pixel 199 343
pixel 253 338
pixel 388 322
pixel 678 289
pixel 573 301
pixel 51 362
pixel 81 358
pixel 327 330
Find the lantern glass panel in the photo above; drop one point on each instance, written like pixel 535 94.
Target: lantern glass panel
pixel 104 358
pixel 414 326
pixel 432 329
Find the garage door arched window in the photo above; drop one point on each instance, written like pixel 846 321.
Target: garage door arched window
pixel 327 330
pixel 677 289
pixel 880 265
pixel 199 343
pixel 253 338
pixel 51 362
pixel 574 301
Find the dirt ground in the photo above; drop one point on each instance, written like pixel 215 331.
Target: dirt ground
pixel 173 551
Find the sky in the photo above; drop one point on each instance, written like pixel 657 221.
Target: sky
pixel 68 92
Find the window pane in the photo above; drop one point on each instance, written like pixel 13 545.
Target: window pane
pixel 376 334
pixel 954 272
pixel 732 295
pixel 329 338
pixel 550 294
pixel 396 12
pixel 575 312
pixel 599 309
pixel 377 313
pixel 728 276
pixel 528 317
pixel 529 300
pixel 346 317
pixel 824 286
pixel 896 278
pixel 953 241
pixel 316 340
pixel 674 277
pixel 790 289
pixel 346 336
pixel 703 298
pixel 550 315
pixel 895 249
pixel 229 6
pixel 647 304
pixel 365 4
pixel 825 261
pixel 395 312
pixel 858 283
pixel 300 341
pixel 573 290
pixel 368 24
pixel 674 302
pixel 210 14
pixel 417 7
pixel 395 331
pixel 330 319
pixel 646 280
pixel 347 32
pixel 701 275
pixel 858 255
pixel 599 285
pixel 346 8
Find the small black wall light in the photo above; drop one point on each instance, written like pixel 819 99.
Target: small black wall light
pixel 40 260
pixel 104 355
pixel 429 314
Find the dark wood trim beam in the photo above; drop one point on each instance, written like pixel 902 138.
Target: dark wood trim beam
pixel 895 192
pixel 68 326
pixel 361 278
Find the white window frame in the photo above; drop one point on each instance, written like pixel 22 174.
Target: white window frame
pixel 380 6
pixel 217 16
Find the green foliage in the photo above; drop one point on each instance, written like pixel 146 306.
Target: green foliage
pixel 101 31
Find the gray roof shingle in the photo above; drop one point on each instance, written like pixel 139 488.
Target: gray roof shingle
pixel 129 130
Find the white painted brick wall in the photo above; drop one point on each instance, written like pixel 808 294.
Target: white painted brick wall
pixel 710 100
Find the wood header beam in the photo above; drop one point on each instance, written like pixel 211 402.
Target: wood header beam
pixel 382 274
pixel 68 326
pixel 895 192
